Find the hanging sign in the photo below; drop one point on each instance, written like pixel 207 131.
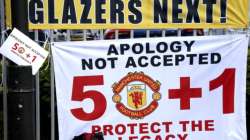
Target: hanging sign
pixel 181 88
pixel 137 14
pixel 23 51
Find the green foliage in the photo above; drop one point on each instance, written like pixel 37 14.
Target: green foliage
pixel 45 82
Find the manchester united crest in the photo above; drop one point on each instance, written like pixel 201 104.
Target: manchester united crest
pixel 136 96
pixel 141 98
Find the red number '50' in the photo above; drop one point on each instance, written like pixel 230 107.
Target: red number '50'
pixel 78 94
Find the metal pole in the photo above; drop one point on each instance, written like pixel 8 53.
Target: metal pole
pixel 163 33
pixel 2 8
pixel 5 116
pixel 147 33
pixel 68 35
pixel 52 92
pixel 132 34
pixel 179 32
pixel 37 98
pixel 116 34
pixel 210 32
pixel 194 32
pixel 20 96
pixel 5 113
pixel 20 83
pixel 85 34
pixel 101 34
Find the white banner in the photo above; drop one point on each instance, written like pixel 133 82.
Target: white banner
pixel 23 51
pixel 176 88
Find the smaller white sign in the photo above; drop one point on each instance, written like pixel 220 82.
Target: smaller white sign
pixel 23 51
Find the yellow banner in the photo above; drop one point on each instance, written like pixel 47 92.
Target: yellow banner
pixel 134 14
